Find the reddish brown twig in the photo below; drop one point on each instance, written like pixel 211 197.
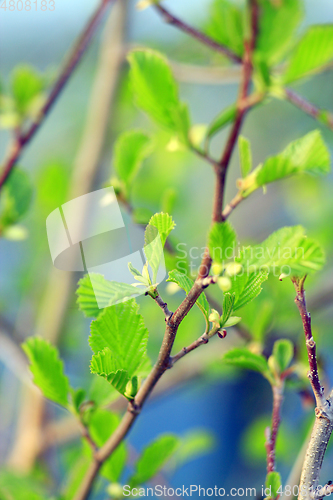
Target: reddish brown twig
pixel 273 431
pixel 79 48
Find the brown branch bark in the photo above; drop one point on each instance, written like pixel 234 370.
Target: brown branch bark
pixel 273 431
pixel 23 138
pixel 310 109
pixel 198 35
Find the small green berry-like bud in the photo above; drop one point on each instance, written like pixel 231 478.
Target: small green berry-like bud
pixel 273 365
pixel 217 268
pixel 224 283
pixel 214 316
pixel 233 268
pixel 132 388
pixel 115 490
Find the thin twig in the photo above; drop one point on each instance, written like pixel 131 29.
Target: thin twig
pixel 273 431
pixel 75 56
pixel 164 306
pixel 310 343
pixel 300 102
pixel 198 35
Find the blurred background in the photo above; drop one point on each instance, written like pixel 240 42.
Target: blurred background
pixel 39 439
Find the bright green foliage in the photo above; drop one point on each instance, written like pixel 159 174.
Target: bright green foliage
pixel 221 120
pixel 101 392
pixel 225 25
pixel 168 200
pixel 277 24
pixel 245 155
pixel 76 475
pixel 101 425
pixel 221 242
pixel 242 357
pixel 283 352
pixel 156 92
pixel 312 53
pixel 228 305
pixel 246 286
pixel 160 224
pixel 119 340
pixel 27 84
pixel 15 199
pixel 287 251
pixel 47 369
pixel 108 292
pixel 78 396
pixel 131 148
pixel 273 481
pixel 186 284
pixel 258 324
pixel 164 224
pixel 153 458
pixel 195 443
pixel 19 487
pixel 309 154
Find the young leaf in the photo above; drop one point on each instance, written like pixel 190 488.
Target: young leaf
pixel 156 91
pixel 16 196
pixel 101 425
pixel 309 154
pixel 131 148
pixel 195 443
pixel 121 329
pixel 233 320
pixel 277 24
pixel 157 231
pixel 107 292
pixel 228 305
pixel 245 155
pixel 153 458
pixel 27 83
pixel 312 53
pixel 186 284
pixel 221 242
pixel 221 120
pixel 47 369
pixel 107 366
pixel 242 357
pixel 225 25
pixel 273 483
pixel 246 287
pixel 286 251
pixel 283 352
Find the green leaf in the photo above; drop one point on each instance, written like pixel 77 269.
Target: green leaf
pixel 309 154
pixel 242 357
pixel 108 292
pixel 101 425
pixel 27 83
pixel 131 148
pixel 156 92
pixel 101 392
pixel 312 53
pixel 107 366
pixel 121 329
pixel 233 320
pixel 283 352
pixel 245 155
pixel 186 284
pixel 153 458
pixel 273 482
pixel 225 25
pixel 16 196
pixel 228 305
pixel 161 225
pixel 194 444
pixel 164 224
pixel 221 120
pixel 277 24
pixel 286 251
pixel 47 369
pixel 16 486
pixel 246 286
pixel 221 242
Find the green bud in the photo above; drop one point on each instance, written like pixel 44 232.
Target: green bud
pixel 214 316
pixel 224 283
pixel 217 268
pixel 115 490
pixel 233 268
pixel 273 366
pixel 132 388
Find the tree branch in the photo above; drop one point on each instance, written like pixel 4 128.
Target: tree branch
pixel 198 35
pixel 75 56
pixel 273 431
pixel 300 102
